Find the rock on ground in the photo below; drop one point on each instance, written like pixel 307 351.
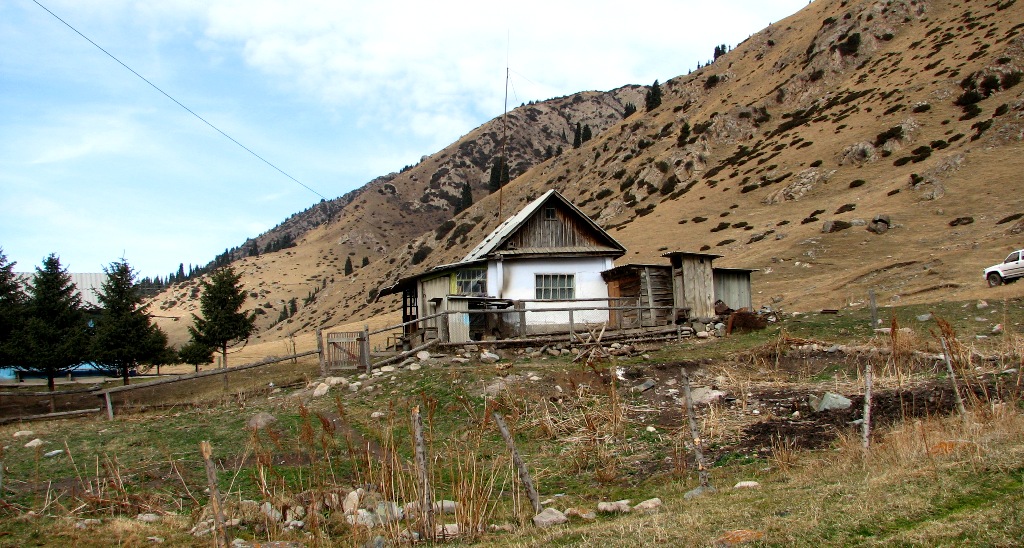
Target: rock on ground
pixel 549 517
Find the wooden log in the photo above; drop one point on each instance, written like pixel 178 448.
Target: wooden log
pixel 524 473
pixel 220 532
pixel 406 353
pixel 48 416
pixel 201 374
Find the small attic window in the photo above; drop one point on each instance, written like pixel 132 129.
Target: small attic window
pixel 549 214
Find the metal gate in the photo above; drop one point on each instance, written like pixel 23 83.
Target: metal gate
pixel 343 349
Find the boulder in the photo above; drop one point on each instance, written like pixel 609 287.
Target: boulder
pixel 645 386
pixel 148 518
pixel 617 507
pixel 272 513
pixel 581 514
pixel 423 355
pixel 335 381
pixel 445 506
pixel 488 357
pixel 703 395
pixel 829 401
pixel 34 443
pixel 24 433
pixel 351 502
pixel 54 453
pixel 260 420
pixel 549 517
pixel 321 389
pixel 747 485
pixel 700 490
pixel 648 505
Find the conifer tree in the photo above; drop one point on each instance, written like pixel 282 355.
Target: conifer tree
pixel 52 338
pixel 124 336
pixel 628 110
pixel 587 133
pixel 223 323
pixel 12 309
pixel 577 138
pixel 366 261
pixel 348 265
pixel 466 200
pixel 653 98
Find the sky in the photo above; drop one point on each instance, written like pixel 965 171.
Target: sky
pixel 96 165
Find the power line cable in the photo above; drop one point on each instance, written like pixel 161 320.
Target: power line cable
pixel 190 111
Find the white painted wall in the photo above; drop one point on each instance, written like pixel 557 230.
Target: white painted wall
pixel 519 281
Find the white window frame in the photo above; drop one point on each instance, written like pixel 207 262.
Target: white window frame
pixel 555 287
pixel 467 278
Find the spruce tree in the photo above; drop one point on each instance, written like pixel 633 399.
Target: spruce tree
pixel 223 323
pixel 348 265
pixel 124 336
pixel 587 133
pixel 653 98
pixel 12 309
pixel 52 338
pixel 495 181
pixel 628 110
pixel 577 138
pixel 466 199
pixel 366 261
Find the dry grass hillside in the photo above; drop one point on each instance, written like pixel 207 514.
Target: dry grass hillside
pixel 845 111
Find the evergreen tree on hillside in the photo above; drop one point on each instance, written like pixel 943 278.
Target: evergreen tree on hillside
pixel 653 98
pixel 628 110
pixel 52 338
pixel 366 261
pixel 466 200
pixel 577 138
pixel 124 336
pixel 587 133
pixel 499 174
pixel 223 323
pixel 348 265
pixel 12 309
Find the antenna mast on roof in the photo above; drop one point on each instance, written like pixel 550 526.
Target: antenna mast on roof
pixel 504 135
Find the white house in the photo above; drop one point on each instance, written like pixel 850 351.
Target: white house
pixel 549 255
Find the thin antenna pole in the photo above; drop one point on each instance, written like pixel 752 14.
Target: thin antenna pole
pixel 504 134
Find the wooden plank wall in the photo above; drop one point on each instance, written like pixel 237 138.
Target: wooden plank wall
pixel 695 285
pixel 565 231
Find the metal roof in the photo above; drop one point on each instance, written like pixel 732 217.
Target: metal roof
pixel 86 283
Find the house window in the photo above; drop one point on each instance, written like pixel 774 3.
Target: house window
pixel 471 281
pixel 556 286
pixel 549 214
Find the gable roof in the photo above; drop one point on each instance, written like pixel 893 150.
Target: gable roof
pixel 493 241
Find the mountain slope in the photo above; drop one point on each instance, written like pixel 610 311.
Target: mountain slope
pixel 843 112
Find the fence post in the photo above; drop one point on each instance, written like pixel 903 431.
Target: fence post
pixel 110 408
pixel 874 309
pixel 364 349
pixel 320 351
pixel 570 327
pixel 221 535
pixel 426 497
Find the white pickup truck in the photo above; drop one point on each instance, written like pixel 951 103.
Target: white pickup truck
pixel 1007 271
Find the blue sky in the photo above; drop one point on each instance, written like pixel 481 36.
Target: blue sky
pixel 96 165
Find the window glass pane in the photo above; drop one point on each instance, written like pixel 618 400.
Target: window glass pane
pixel 471 281
pixel 556 286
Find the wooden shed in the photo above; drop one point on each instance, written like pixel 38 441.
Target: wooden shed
pixel 645 285
pixel 693 282
pixel 732 286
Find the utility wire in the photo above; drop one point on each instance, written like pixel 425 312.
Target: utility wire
pixel 190 111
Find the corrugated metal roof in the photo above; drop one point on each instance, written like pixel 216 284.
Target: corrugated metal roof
pixel 87 283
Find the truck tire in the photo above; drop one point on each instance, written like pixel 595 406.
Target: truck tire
pixel 994 279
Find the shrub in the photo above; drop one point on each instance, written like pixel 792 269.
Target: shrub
pixel 699 219
pixel 712 81
pixel 662 166
pixel 421 254
pixel 923 107
pixel 445 228
pixel 850 45
pixel 1011 79
pixel 845 208
pixel 857 183
pixel 1010 219
pixel 721 226
pixel 725 242
pixel 603 193
pixel 816 163
pixel 895 132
